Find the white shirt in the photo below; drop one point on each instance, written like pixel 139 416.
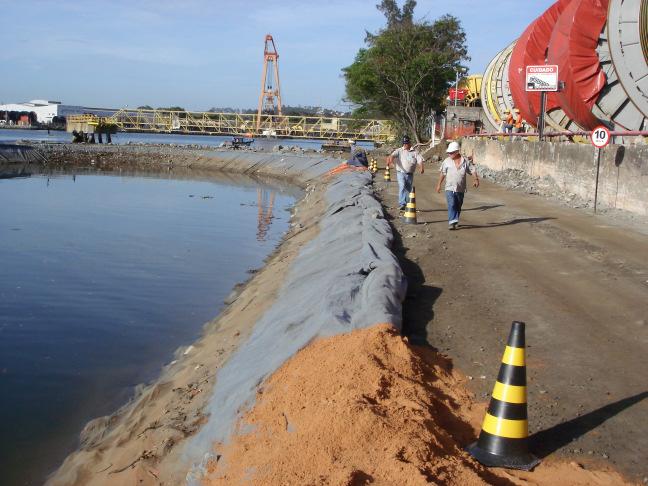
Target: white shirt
pixel 455 176
pixel 406 160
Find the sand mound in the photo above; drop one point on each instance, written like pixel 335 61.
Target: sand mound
pixel 367 408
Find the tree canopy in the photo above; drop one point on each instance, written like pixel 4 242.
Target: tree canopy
pixel 407 67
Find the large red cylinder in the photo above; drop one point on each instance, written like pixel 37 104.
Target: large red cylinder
pixel 572 48
pixel 530 50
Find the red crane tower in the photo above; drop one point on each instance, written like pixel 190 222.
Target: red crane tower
pixel 269 81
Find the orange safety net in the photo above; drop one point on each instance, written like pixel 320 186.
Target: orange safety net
pixel 344 167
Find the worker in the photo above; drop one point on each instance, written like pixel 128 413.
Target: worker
pixel 453 171
pixel 517 120
pixel 405 159
pixel 507 124
pixel 358 156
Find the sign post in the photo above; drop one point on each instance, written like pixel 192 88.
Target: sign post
pixel 600 137
pixel 542 78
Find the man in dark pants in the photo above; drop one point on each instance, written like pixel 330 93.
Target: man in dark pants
pixel 405 159
pixel 453 171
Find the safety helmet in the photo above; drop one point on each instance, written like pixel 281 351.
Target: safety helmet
pixel 453 147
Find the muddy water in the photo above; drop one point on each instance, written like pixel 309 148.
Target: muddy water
pixel 102 278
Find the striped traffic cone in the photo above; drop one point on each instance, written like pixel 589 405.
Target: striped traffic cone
pixel 503 441
pixel 387 176
pixel 409 216
pixel 374 166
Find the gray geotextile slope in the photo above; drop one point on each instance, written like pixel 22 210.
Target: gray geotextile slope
pixel 345 278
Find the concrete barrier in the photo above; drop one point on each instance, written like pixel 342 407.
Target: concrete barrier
pixel 623 179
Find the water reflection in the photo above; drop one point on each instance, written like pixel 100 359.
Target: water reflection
pixel 103 277
pixel 265 204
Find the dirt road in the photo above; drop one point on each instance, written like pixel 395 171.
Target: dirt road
pixel 579 281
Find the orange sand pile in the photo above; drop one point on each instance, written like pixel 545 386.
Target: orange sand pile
pixel 367 408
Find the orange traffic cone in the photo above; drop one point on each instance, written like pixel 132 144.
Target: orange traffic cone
pixel 503 441
pixel 409 216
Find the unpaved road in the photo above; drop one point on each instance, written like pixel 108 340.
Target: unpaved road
pixel 579 281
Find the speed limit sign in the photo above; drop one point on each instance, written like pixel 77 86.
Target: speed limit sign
pixel 600 136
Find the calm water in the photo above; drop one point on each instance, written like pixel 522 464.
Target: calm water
pixel 103 277
pixel 12 135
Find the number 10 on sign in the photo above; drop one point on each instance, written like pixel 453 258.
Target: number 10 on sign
pixel 600 137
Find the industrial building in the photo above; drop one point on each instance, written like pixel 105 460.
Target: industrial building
pixel 45 110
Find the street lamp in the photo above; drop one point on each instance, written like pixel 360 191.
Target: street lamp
pixel 461 70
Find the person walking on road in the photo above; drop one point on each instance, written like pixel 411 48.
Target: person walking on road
pixel 405 159
pixel 453 171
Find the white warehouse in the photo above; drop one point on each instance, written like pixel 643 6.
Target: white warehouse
pixel 45 110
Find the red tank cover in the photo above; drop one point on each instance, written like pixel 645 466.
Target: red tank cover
pixel 573 48
pixel 531 50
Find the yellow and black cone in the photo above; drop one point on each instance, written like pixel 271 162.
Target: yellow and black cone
pixel 375 166
pixel 387 175
pixel 503 441
pixel 409 216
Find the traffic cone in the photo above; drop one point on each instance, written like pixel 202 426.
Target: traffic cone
pixel 409 216
pixel 503 441
pixel 387 176
pixel 374 166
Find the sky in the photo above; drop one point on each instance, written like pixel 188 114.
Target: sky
pixel 200 54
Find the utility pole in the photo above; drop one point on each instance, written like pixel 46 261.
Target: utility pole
pixel 461 70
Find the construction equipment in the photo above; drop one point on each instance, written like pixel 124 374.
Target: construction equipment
pixel 270 88
pixel 208 123
pixel 601 50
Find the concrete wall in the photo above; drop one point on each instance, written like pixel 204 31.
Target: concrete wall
pixel 623 179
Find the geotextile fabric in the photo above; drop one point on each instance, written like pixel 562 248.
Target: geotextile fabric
pixel 344 279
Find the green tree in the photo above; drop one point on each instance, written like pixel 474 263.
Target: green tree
pixel 406 69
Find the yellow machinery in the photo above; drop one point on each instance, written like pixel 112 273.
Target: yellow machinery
pixel 472 85
pixel 207 123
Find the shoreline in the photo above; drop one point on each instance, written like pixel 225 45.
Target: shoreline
pixel 142 441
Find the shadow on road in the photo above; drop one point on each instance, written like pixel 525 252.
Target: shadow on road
pixel 483 208
pixel 478 208
pixel 503 223
pixel 419 302
pixel 550 440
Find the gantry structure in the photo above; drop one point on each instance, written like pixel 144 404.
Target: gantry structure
pixel 239 124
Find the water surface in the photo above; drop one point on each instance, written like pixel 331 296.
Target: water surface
pixel 103 277
pixel 11 135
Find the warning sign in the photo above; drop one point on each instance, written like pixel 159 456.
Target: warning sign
pixel 542 78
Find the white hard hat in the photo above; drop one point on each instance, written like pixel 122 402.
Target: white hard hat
pixel 453 147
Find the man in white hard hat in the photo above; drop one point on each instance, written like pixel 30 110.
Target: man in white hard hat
pixel 453 172
pixel 405 159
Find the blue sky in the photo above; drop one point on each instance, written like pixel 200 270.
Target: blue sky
pixel 200 53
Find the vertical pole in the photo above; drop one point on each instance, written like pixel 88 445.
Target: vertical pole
pixel 456 87
pixel 433 130
pixel 541 120
pixel 263 92
pixel 596 185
